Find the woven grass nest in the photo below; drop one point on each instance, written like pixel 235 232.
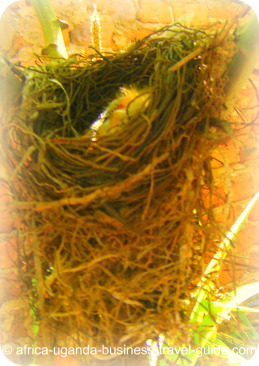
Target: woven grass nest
pixel 114 227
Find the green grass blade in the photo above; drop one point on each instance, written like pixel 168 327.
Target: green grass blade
pixel 51 29
pixel 214 264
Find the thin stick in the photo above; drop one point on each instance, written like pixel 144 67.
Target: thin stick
pixel 86 200
pixel 186 59
pixel 222 38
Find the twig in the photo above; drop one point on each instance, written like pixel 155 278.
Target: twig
pixel 100 193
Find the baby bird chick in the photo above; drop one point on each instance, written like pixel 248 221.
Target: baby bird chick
pixel 128 105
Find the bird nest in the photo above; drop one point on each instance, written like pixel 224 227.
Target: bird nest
pixel 115 222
